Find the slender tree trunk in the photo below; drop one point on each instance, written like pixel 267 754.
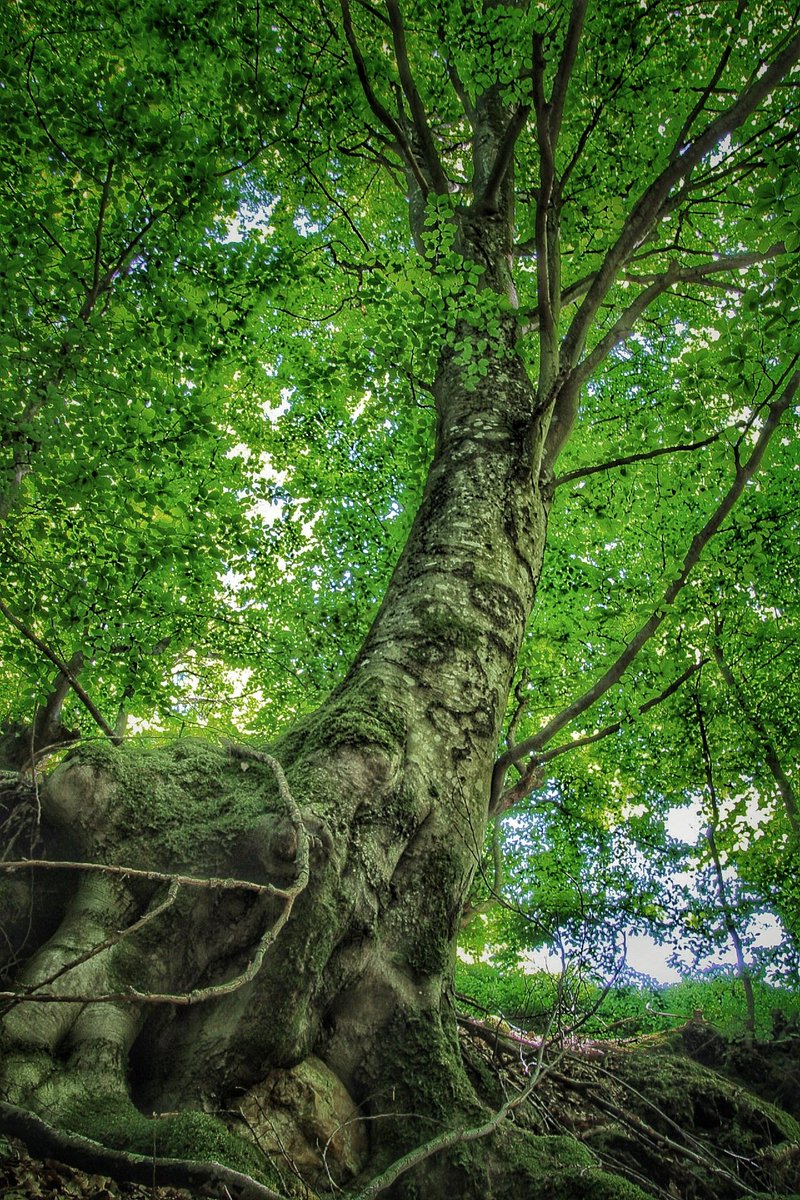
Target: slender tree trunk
pixel 728 916
pixel 771 758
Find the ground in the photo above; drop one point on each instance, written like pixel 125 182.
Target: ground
pixel 689 1114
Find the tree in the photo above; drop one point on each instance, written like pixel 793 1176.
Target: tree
pixel 316 321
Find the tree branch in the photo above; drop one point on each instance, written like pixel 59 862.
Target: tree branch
pixel 48 721
pixel 456 81
pixel 744 473
pixel 62 667
pixel 711 85
pixel 211 883
pixel 381 112
pixel 565 67
pixel 566 404
pixel 504 158
pixel 771 758
pixel 98 233
pixel 444 1141
pixel 546 284
pixel 418 115
pixel 647 208
pixel 524 784
pixel 627 460
pixel 570 295
pixel 659 284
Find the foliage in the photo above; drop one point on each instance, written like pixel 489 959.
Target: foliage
pixel 548 1002
pixel 221 334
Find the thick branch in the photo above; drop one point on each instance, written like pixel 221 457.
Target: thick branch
pixel 381 112
pixel 48 722
pixel 564 73
pixel 505 157
pixel 546 285
pixel 418 115
pixel 23 745
pixel 744 473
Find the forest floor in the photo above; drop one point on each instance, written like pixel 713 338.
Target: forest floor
pixel 25 1177
pixel 689 1115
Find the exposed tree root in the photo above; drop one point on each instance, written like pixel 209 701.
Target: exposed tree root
pixel 44 1139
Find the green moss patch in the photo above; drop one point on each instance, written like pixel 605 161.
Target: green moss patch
pixel 358 715
pixel 181 803
pixel 191 1136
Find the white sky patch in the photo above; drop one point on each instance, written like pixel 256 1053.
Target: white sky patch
pixel 767 929
pixel 245 222
pixel 722 151
pixel 644 956
pixel 541 960
pixel 685 824
pixel 648 958
pixel 139 725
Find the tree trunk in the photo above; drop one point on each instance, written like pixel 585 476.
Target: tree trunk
pixel 392 778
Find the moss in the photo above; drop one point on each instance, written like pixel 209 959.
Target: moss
pixel 533 1155
pixel 195 1136
pixel 24 1070
pixel 422 1072
pixel 357 715
pixel 698 1097
pixel 187 802
pixel 669 1090
pixel 445 628
pixel 428 949
pixel 580 1184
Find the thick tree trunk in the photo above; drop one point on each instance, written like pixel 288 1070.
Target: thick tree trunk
pixel 392 779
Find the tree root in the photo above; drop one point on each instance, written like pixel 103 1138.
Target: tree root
pixel 82 1152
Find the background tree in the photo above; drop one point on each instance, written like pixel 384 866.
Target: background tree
pixel 318 322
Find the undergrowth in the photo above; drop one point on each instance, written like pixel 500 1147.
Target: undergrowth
pixel 630 1008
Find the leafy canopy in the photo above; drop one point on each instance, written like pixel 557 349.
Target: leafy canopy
pixel 220 329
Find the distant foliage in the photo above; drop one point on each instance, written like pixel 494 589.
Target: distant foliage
pixel 542 1001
